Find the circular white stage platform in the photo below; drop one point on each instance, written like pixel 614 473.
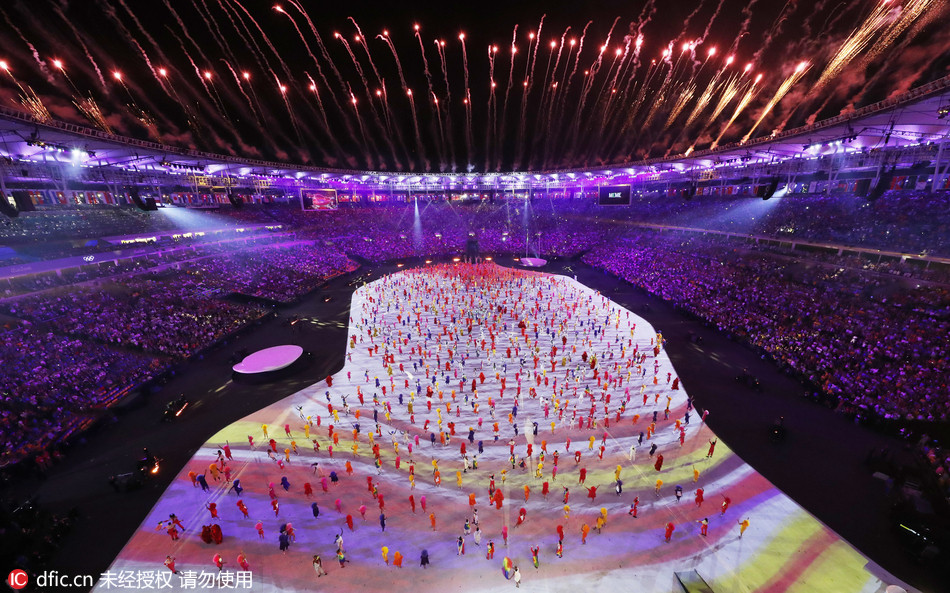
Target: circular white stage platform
pixel 533 262
pixel 269 360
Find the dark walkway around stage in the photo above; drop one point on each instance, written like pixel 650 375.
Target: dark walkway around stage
pixel 821 463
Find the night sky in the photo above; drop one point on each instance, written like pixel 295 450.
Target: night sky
pixel 183 63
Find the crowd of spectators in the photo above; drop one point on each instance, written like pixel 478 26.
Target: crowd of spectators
pixel 53 385
pixel 902 221
pixel 73 223
pixel 878 356
pixel 170 318
pixel 502 227
pixel 107 260
pixel 851 324
pixel 281 273
pixel 166 307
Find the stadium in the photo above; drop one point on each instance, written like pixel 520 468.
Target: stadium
pixel 535 296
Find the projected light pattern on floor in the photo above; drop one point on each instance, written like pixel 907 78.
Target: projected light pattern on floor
pixel 437 360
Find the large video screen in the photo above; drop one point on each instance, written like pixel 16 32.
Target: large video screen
pixel 318 199
pixel 614 195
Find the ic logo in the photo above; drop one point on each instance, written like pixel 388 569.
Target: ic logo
pixel 89 258
pixel 18 579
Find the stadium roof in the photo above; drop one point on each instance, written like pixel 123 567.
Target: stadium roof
pixel 919 117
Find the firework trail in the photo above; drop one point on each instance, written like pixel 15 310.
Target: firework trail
pixel 320 109
pixel 345 119
pixel 712 87
pixel 629 104
pixel 536 137
pixel 214 29
pixel 440 140
pixel 567 89
pixel 240 86
pixel 856 42
pixel 712 19
pixel 387 122
pixel 617 104
pixel 405 89
pixel 248 38
pixel 511 73
pixel 527 84
pixel 160 74
pixel 323 116
pixel 786 86
pixel 682 98
pixel 258 114
pixel 492 112
pixel 556 91
pixel 909 13
pixel 588 84
pixel 369 56
pixel 31 101
pixel 82 44
pixel 594 134
pixel 437 124
pixel 701 104
pixel 689 18
pixel 36 54
pixel 622 136
pixel 564 86
pixel 776 29
pixel 425 61
pixel 344 112
pixel 266 39
pixel 245 34
pixel 889 29
pixel 884 70
pixel 138 112
pixel 201 78
pixel 89 108
pixel 356 63
pixel 610 83
pixel 663 92
pixel 58 64
pixel 415 126
pixel 283 64
pixel 440 49
pixel 392 49
pixel 744 27
pixel 686 23
pixel 415 120
pixel 369 95
pixel 740 107
pixel 440 45
pixel 633 65
pixel 147 121
pixel 813 12
pixel 729 90
pixel 359 122
pixel 210 78
pixel 646 15
pixel 468 104
pixel 383 97
pixel 187 34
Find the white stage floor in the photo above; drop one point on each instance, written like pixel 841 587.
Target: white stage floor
pixel 454 324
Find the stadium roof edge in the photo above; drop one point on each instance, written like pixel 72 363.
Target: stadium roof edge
pixel 917 115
